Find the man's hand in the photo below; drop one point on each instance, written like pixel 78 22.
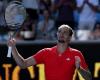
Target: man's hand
pixel 11 42
pixel 85 73
pixel 77 62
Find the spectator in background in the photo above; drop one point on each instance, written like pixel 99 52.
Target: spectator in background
pixel 3 29
pixel 98 12
pixel 87 10
pixel 99 6
pixel 87 17
pixel 1 12
pixel 95 34
pixel 65 10
pixel 43 4
pixel 3 4
pixel 45 27
pixel 30 24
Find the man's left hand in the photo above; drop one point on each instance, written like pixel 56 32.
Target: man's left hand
pixel 77 62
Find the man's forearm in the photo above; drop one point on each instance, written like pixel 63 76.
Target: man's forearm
pixel 86 74
pixel 18 58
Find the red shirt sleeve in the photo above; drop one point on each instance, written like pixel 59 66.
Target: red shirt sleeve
pixel 83 62
pixel 40 56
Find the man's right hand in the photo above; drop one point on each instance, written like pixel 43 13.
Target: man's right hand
pixel 11 42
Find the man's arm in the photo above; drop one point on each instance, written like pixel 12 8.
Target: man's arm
pixel 23 63
pixel 86 74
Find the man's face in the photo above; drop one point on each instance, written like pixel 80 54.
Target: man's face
pixel 63 34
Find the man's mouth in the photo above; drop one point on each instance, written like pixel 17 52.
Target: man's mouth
pixel 61 41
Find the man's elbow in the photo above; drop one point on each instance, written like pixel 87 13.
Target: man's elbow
pixel 22 66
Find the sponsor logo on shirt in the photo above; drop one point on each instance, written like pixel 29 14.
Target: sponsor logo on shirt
pixel 68 59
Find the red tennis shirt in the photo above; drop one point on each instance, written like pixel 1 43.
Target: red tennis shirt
pixel 59 67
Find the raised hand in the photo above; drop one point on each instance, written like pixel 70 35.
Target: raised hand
pixel 11 42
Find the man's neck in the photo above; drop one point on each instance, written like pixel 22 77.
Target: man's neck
pixel 61 47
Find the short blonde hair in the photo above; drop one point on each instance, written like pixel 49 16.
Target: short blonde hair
pixel 68 27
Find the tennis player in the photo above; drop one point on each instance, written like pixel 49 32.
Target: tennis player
pixel 60 61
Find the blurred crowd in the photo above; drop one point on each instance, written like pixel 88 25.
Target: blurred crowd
pixel 45 16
